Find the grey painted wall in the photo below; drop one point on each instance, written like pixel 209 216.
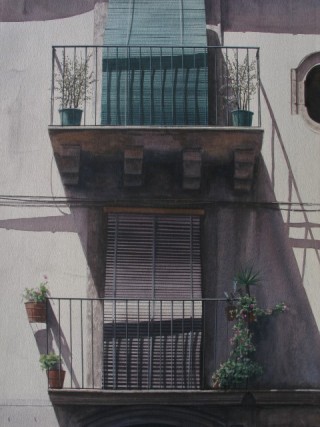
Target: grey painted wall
pixel 35 10
pixel 271 16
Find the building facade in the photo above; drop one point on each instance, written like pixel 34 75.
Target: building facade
pixel 142 213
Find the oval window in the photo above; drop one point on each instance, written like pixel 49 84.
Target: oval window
pixel 312 93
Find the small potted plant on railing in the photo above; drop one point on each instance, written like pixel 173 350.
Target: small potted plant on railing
pixel 51 363
pixel 240 85
pixel 35 304
pixel 73 84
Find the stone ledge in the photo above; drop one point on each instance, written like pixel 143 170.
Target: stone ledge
pixel 217 144
pixel 185 397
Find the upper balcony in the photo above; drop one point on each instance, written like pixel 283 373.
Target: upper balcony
pixel 154 85
pixel 108 99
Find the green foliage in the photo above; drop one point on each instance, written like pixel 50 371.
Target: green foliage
pixel 247 309
pixel 49 361
pixel 279 308
pixel 246 278
pixel 74 83
pixel 240 366
pixel 234 373
pixel 37 294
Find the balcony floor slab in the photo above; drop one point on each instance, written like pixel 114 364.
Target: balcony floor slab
pixel 96 397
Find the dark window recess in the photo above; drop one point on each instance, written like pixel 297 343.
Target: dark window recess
pixel 153 328
pixel 312 93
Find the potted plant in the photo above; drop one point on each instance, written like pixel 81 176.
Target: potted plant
pixel 51 363
pixel 240 367
pixel 244 279
pixel 241 85
pixel 35 304
pixel 73 85
pixel 241 283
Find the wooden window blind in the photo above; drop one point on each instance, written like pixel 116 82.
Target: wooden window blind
pixel 153 312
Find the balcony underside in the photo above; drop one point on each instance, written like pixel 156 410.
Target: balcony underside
pixel 94 148
pixel 186 398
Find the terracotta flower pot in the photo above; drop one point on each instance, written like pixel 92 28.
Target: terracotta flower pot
pixel 56 378
pixel 36 312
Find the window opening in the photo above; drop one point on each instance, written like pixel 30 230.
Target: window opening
pixel 312 93
pixel 153 311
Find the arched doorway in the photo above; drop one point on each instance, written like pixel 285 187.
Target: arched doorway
pixel 153 416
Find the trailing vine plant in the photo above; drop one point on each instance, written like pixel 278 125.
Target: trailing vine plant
pixel 241 366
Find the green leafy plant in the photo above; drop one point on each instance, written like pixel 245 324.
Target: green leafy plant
pixel 234 373
pixel 240 80
pixel 49 361
pixel 245 279
pixel 240 366
pixel 279 308
pixel 73 82
pixel 37 294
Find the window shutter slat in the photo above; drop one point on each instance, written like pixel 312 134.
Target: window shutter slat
pixel 152 344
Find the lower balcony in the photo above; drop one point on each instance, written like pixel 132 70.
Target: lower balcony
pixel 138 344
pixel 149 352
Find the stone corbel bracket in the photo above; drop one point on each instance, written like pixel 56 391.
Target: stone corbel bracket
pixel 68 162
pixel 244 162
pixel 192 166
pixel 133 167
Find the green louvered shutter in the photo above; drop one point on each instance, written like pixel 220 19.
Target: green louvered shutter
pixel 159 75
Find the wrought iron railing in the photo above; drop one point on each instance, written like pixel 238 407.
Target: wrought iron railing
pixel 154 85
pixel 138 343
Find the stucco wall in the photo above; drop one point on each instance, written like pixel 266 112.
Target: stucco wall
pixel 34 240
pixel 34 10
pixel 291 150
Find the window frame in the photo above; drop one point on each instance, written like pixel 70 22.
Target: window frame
pixel 298 79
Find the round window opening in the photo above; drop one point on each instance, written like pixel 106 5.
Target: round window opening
pixel 312 93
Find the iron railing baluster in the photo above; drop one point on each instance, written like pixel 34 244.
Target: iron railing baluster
pixel 82 355
pixel 71 352
pixel 92 346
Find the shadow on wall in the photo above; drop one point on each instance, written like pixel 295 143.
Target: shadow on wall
pixel 289 343
pixel 56 335
pixel 52 339
pixel 267 16
pixel 309 241
pixel 33 10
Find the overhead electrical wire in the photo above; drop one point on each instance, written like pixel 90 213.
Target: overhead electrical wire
pixel 78 202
